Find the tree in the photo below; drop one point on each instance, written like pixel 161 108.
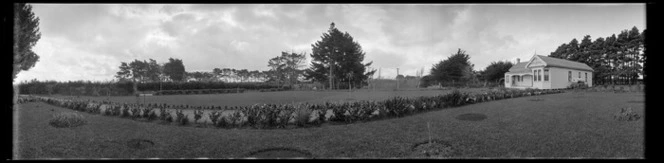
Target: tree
pixel 174 69
pixel 634 48
pixel 26 35
pixel 124 73
pixel 226 73
pixel 584 50
pixel 336 55
pixel 642 60
pixel 615 59
pixel 153 70
pixel 243 74
pixel 455 68
pixel 560 51
pixel 139 70
pixel 287 67
pixel 496 70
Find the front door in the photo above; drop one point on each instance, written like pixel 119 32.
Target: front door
pixel 513 80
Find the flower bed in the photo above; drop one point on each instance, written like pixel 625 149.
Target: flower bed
pixel 283 115
pixel 272 90
pixel 199 91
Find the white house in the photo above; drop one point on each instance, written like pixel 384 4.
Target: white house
pixel 544 72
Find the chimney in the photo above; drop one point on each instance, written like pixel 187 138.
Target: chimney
pixel 518 60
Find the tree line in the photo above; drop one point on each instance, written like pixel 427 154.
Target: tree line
pixel 616 59
pixel 457 71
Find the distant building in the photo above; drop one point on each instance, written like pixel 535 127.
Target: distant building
pixel 544 72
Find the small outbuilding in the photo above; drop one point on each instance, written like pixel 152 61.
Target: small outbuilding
pixel 544 72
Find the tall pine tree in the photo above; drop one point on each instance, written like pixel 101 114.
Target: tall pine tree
pixel 334 57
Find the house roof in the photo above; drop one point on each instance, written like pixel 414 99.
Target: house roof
pixel 555 62
pixel 519 68
pixel 550 61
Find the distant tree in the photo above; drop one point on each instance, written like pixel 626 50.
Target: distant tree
pixel 456 68
pixel 174 69
pixel 571 49
pixel 139 70
pixel 287 67
pixel 26 35
pixel 583 54
pixel 642 59
pixel 496 70
pixel 200 76
pixel 226 74
pixel 560 51
pixel 617 59
pixel 634 46
pixel 153 71
pixel 334 56
pixel 217 73
pixel 125 72
pixel 243 74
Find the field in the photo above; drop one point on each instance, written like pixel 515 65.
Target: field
pixel 573 124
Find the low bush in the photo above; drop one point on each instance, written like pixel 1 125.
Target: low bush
pixel 578 85
pixel 626 114
pixel 180 117
pixel 214 116
pixel 281 115
pixel 197 115
pixel 63 120
pixel 302 116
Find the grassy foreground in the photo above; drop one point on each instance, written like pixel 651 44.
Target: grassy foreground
pixel 561 125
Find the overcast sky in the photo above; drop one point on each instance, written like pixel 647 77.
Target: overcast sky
pixel 88 42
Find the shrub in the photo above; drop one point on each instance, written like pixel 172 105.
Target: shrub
pixel 180 118
pixel 578 85
pixel 146 111
pixel 135 112
pixel 197 115
pixel 152 116
pixel 222 122
pixel 62 120
pixel 214 116
pixel 302 116
pixel 397 106
pixel 125 111
pixel 626 114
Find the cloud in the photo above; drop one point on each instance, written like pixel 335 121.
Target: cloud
pixel 88 41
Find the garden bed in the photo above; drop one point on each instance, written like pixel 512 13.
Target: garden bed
pixel 270 116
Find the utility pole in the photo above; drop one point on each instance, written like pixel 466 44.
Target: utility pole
pixel 397 78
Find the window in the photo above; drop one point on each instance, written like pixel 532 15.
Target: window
pixel 569 76
pixel 586 77
pixel 579 74
pixel 540 78
pixel 539 75
pixel 534 75
pixel 546 74
pixel 507 79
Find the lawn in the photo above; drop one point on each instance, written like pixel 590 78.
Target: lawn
pixel 560 125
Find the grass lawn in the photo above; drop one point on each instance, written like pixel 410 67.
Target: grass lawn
pixel 561 125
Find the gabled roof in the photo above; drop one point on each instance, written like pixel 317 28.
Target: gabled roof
pixel 519 68
pixel 555 62
pixel 550 62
